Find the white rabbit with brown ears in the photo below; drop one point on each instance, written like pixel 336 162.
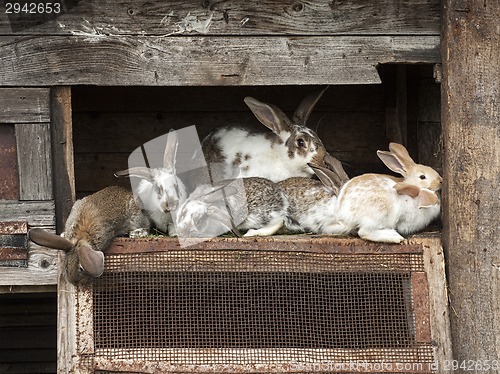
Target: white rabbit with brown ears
pixel 283 153
pixel 160 190
pixel 377 207
pixel 382 208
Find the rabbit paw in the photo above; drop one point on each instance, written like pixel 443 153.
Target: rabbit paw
pixel 380 235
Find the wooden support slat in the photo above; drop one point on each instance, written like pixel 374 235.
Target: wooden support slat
pixel 471 136
pixel 23 105
pixel 33 158
pixel 41 269
pixel 9 183
pixel 67 354
pixel 62 154
pixel 206 61
pixel 251 17
pixel 36 213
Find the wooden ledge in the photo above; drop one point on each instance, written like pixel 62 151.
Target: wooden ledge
pixel 289 243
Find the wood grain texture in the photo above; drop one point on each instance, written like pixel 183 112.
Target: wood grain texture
pixel 61 132
pixel 34 160
pixel 206 61
pixel 36 213
pixel 41 269
pixel 9 183
pixel 66 321
pixel 439 312
pixel 23 105
pixel 471 132
pixel 310 17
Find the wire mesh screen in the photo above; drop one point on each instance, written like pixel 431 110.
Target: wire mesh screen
pixel 229 308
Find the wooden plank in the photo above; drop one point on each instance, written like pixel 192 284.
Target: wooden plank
pixel 36 213
pixel 471 117
pixel 24 105
pixel 280 243
pixel 206 61
pixel 67 353
pixel 41 270
pixel 252 17
pixel 438 307
pixel 33 158
pixel 9 183
pixel 62 154
pixel 274 360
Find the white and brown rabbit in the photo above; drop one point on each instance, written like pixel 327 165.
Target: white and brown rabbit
pixel 377 207
pixel 279 155
pixel 92 224
pixel 312 202
pixel 256 204
pixel 160 190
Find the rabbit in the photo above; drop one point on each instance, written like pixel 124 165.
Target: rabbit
pixel 92 224
pixel 311 202
pixel 160 190
pixel 260 205
pixel 279 155
pixel 377 207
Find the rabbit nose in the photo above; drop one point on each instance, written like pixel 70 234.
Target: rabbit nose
pixel 164 207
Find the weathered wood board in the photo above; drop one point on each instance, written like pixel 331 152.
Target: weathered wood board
pixel 202 61
pixel 9 183
pixel 23 105
pixel 471 136
pixel 34 160
pixel 313 17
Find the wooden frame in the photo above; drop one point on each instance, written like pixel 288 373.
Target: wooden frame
pixel 76 339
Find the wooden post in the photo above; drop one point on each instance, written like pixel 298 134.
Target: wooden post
pixel 62 154
pixel 471 135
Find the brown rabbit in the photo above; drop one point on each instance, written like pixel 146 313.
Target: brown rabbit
pixel 93 223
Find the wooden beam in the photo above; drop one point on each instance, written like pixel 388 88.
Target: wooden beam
pixel 36 213
pixel 33 158
pixel 23 105
pixel 41 269
pixel 235 18
pixel 471 132
pixel 206 61
pixel 62 154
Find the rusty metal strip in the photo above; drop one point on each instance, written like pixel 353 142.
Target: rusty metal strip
pixel 13 227
pixel 421 308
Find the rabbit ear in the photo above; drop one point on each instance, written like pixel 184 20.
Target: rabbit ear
pixel 47 239
pixel 269 115
pixel 403 188
pixel 336 166
pixel 329 179
pixel 139 172
pixel 306 107
pixel 427 198
pixel 90 260
pixel 393 162
pixel 170 151
pixel 213 196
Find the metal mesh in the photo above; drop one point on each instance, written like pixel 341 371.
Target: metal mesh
pixel 230 308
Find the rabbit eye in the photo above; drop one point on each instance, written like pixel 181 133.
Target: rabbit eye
pixel 301 143
pixel 422 177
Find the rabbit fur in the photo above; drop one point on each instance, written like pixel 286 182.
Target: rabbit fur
pixel 160 190
pixel 376 207
pixel 283 153
pixel 261 204
pixel 93 223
